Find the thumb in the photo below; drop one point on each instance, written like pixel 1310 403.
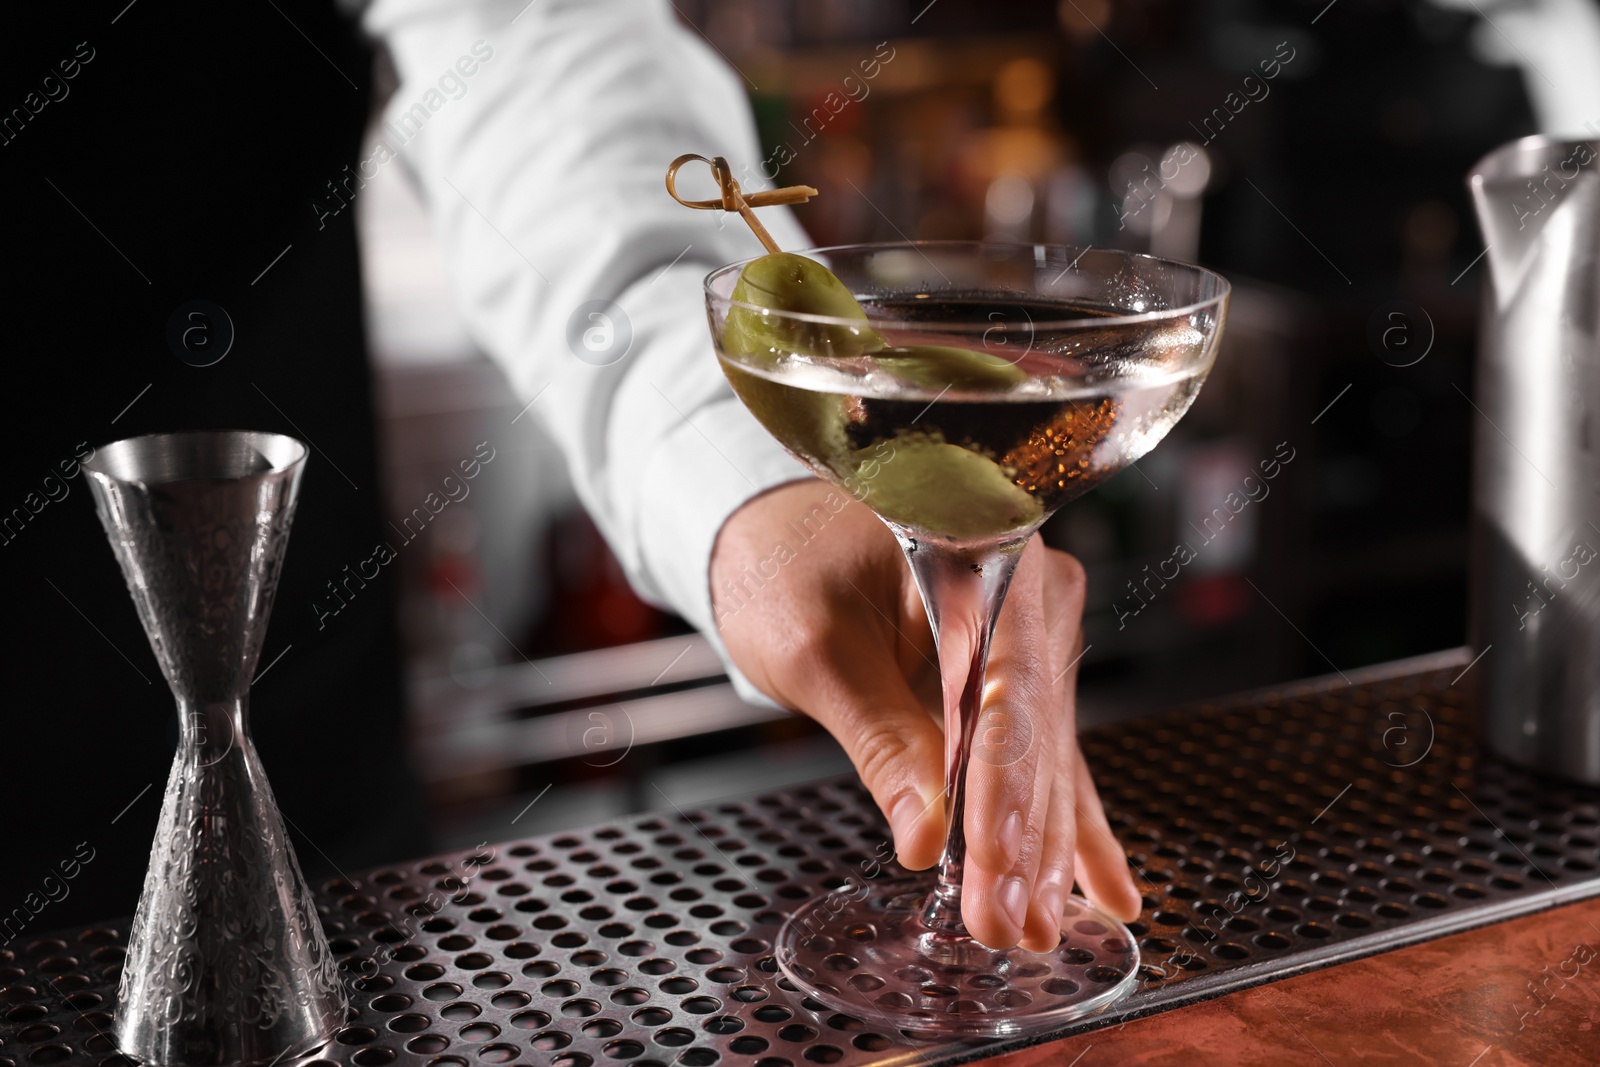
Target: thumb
pixel 896 747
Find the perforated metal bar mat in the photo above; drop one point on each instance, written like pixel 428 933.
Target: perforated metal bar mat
pixel 1274 834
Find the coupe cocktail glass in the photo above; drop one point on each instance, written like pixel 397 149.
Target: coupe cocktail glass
pixel 963 465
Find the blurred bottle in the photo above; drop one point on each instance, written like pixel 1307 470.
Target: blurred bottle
pixel 1016 158
pixel 1157 200
pixel 1071 206
pixel 591 604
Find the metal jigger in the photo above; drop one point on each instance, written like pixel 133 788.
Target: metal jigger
pixel 227 961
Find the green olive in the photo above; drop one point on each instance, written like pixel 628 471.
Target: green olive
pixel 930 485
pixel 810 424
pixel 785 282
pixel 939 367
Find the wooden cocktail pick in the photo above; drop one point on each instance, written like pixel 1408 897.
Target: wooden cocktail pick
pixel 734 199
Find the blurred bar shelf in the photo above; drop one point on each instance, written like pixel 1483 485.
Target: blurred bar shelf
pixel 540 711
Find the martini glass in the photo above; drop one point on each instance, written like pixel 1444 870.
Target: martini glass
pixel 964 457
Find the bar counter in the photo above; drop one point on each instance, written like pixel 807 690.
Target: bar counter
pixel 1514 994
pixel 1331 872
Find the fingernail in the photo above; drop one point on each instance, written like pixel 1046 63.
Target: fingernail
pixel 1053 901
pixel 903 819
pixel 1052 895
pixel 1010 839
pixel 1013 897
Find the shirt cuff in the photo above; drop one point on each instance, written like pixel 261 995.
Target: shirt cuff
pixel 704 470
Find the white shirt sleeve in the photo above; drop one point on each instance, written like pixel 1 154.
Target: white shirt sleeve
pixel 543 173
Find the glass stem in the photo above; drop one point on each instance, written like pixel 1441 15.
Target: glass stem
pixel 962 588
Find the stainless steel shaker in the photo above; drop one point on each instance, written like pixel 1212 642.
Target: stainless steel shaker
pixel 1536 478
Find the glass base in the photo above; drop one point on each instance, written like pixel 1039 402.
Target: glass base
pixel 863 950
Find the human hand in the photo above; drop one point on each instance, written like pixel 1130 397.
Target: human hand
pixel 818 608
